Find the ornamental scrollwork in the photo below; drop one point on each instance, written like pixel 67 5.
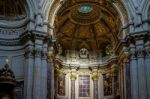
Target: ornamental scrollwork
pixel 44 54
pixel 10 32
pixel 140 53
pixel 147 53
pixel 132 54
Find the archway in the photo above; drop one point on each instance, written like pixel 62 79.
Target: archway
pixel 87 43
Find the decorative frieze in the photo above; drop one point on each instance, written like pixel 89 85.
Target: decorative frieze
pixel 139 53
pixel 12 32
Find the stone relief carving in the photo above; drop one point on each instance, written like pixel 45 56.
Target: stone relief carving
pixel 13 33
pixel 38 52
pixel 29 52
pixel 142 50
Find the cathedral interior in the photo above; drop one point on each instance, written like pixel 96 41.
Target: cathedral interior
pixel 74 49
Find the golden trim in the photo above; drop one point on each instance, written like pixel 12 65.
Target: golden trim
pixel 73 77
pixel 95 77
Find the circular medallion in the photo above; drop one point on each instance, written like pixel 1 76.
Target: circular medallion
pixel 85 9
pixel 85 14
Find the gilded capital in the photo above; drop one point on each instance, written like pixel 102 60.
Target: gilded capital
pixel 73 77
pixel 95 77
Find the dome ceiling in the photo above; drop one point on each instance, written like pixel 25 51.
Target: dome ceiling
pixel 86 24
pixel 12 9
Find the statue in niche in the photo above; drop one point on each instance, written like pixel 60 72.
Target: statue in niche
pixel 84 53
pixel 107 84
pixel 61 85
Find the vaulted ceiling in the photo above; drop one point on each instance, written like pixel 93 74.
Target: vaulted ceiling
pixel 90 24
pixel 12 9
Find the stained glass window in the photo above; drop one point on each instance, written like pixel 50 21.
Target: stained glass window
pixel 85 9
pixel 84 86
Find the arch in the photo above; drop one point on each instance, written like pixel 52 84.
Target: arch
pixel 50 12
pixel 31 8
pixel 145 13
pixel 122 11
pixel 145 9
pixel 18 22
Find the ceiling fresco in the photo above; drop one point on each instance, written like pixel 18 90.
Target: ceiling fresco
pixel 86 24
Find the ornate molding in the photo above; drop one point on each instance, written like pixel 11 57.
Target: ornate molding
pixel 44 54
pixel 29 52
pixel 12 32
pixel 38 52
pixel 140 53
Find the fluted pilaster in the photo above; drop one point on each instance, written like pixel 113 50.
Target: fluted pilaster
pixel 95 86
pixel 28 82
pixel 73 78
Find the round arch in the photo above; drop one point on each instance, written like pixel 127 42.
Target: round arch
pixel 55 5
pixel 30 8
pixel 16 23
pixel 146 13
pixel 145 10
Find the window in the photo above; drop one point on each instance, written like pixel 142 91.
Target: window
pixel 84 86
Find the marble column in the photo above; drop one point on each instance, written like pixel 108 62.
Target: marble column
pixel 28 82
pixel 51 78
pixel 134 73
pixel 44 73
pixel 147 66
pixel 128 84
pixel 37 70
pixel 141 69
pixel 121 82
pixel 73 78
pixel 95 86
pixel 114 70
